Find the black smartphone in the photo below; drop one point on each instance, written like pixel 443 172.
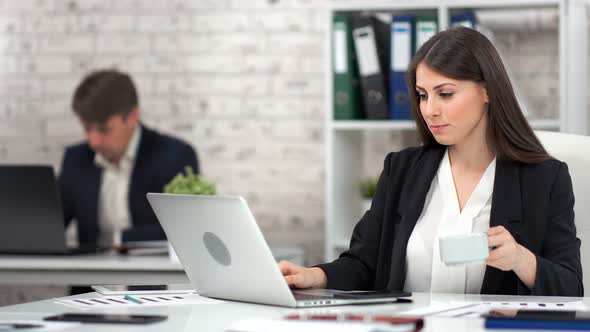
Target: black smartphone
pixel 106 318
pixel 146 287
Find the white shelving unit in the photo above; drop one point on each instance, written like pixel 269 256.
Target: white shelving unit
pixel 344 139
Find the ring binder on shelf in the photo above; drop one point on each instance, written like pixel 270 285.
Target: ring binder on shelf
pixel 372 79
pixel 346 90
pixel 402 49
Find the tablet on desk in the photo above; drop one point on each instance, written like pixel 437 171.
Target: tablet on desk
pixel 144 289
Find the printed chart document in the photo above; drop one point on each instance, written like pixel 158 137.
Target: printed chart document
pixel 137 300
pixel 475 309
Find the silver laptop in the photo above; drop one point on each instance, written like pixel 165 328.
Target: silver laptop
pixel 225 255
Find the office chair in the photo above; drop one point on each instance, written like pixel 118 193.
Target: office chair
pixel 575 151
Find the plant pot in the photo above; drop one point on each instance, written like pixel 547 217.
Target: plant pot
pixel 365 205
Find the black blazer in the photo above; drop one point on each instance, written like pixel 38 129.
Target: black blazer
pixel 159 158
pixel 533 201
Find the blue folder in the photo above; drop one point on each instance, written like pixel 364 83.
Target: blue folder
pixel 466 19
pixel 530 324
pixel 402 50
pixel 563 320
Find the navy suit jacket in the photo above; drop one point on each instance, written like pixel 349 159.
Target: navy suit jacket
pixel 534 202
pixel 159 158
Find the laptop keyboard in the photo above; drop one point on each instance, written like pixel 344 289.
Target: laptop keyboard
pixel 307 297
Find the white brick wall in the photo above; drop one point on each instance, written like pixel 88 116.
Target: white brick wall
pixel 243 81
pixel 240 80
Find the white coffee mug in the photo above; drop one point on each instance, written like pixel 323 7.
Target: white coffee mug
pixel 463 249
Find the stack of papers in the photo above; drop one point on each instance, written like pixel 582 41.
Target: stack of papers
pixel 146 300
pixel 141 248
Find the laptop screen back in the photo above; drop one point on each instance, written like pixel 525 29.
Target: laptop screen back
pixel 221 248
pixel 30 210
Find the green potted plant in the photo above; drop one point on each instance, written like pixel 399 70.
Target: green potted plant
pixel 367 187
pixel 192 184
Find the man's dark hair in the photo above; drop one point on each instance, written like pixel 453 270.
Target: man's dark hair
pixel 104 93
pixel 465 54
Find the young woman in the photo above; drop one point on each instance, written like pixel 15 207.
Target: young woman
pixel 480 168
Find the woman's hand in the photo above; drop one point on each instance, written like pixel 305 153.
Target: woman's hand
pixel 507 255
pixel 303 277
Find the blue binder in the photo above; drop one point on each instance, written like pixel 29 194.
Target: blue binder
pixel 402 50
pixel 466 19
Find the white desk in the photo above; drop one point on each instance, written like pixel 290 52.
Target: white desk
pixel 104 269
pixel 217 317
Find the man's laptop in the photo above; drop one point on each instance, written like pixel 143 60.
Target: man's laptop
pixel 225 255
pixel 31 216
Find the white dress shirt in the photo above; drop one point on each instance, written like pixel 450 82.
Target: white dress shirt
pixel 113 202
pixel 441 216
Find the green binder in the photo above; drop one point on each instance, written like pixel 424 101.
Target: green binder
pixel 346 97
pixel 426 27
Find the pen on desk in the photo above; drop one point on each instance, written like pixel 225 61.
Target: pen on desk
pixel 395 320
pixel 132 299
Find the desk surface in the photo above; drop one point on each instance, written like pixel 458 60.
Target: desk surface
pixel 217 317
pixel 104 268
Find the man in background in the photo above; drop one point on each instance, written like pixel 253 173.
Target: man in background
pixel 104 180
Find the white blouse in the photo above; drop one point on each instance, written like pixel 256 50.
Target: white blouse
pixel 441 216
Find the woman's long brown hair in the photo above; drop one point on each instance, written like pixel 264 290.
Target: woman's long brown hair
pixel 465 54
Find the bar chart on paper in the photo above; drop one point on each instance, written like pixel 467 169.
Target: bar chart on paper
pixel 143 300
pixel 475 309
